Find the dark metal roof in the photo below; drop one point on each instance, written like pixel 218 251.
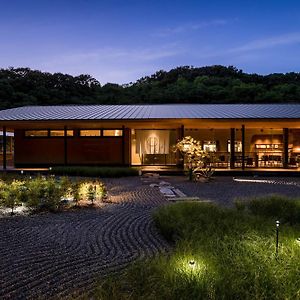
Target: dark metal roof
pixel 163 111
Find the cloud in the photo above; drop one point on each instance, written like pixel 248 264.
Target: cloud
pixel 114 54
pixel 189 27
pixel 270 42
pixel 110 64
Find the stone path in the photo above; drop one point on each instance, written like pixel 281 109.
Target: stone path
pixel 57 255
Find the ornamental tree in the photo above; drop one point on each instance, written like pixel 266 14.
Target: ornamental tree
pixel 195 158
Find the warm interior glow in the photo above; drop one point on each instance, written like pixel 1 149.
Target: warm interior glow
pixel 112 132
pixel 93 132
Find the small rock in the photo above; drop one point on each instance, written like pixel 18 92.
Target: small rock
pixel 153 185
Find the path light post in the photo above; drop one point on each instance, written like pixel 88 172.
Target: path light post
pixel 277 236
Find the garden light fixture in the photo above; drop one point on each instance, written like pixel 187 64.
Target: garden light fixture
pixel 277 236
pixel 192 263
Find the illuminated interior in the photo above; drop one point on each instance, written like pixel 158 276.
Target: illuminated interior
pixel 153 147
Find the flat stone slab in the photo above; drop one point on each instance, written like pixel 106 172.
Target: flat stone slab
pixel 164 183
pixel 179 193
pixel 154 185
pixel 166 191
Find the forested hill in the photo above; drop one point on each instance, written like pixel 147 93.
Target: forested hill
pixel 214 84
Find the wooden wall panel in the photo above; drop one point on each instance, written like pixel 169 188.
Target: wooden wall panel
pixel 80 150
pixel 94 150
pixel 38 151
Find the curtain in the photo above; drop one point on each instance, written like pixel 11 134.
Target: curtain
pixel 152 141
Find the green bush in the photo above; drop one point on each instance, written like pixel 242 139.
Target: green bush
pixel 11 194
pixel 95 171
pixel 45 193
pixel 48 193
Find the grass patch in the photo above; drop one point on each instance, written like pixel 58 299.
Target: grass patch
pixel 275 206
pixel 218 254
pixel 95 171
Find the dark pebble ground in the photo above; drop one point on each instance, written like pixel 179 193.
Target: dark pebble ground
pixel 52 256
pixel 223 190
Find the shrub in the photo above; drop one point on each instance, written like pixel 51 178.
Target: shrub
pixel 275 206
pixel 95 171
pixel 95 189
pixel 48 193
pixel 45 193
pixel 11 194
pixel 75 188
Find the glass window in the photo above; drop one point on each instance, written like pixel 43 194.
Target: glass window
pixel 237 146
pixel 93 132
pixel 112 132
pixel 210 146
pixel 34 133
pixel 61 133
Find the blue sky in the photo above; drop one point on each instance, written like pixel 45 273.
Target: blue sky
pixel 121 41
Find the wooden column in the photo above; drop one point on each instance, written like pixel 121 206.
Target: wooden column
pixel 181 131
pixel 243 147
pixel 65 146
pixel 285 148
pixel 179 156
pixel 4 141
pixel 232 148
pixel 123 144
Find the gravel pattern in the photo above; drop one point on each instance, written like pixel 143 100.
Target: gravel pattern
pixel 223 190
pixel 57 255
pixel 52 256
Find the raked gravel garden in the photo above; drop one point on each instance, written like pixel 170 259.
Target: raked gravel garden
pixel 65 254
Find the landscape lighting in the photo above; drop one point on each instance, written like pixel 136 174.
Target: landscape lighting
pixel 192 263
pixel 277 236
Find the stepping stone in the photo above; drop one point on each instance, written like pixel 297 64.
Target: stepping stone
pixel 179 193
pixel 153 185
pixel 163 183
pixel 166 192
pixel 182 199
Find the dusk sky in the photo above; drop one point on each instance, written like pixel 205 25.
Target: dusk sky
pixel 121 41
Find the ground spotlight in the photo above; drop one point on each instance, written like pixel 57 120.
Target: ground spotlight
pixel 192 263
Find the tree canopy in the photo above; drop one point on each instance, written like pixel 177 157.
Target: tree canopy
pixel 186 84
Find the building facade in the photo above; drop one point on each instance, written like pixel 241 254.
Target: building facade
pixel 235 136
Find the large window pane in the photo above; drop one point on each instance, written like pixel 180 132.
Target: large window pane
pixel 112 132
pixel 36 133
pixel 61 133
pixel 91 132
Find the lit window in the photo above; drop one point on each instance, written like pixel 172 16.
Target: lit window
pixel 237 146
pixel 61 133
pixel 210 146
pixel 34 133
pixel 93 132
pixel 112 132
